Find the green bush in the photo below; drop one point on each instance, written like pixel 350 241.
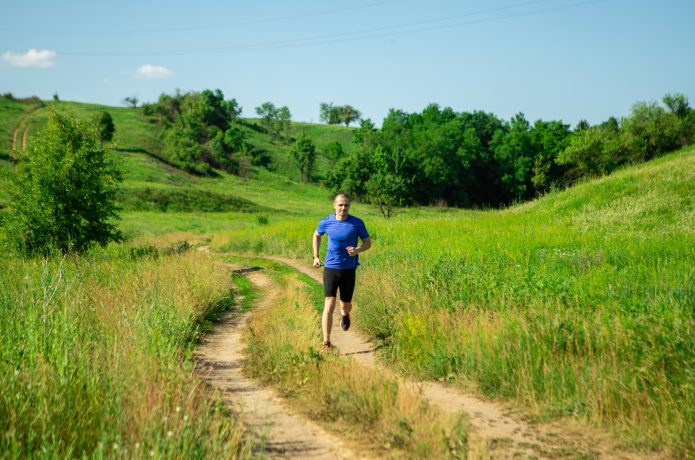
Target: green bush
pixel 64 192
pixel 183 201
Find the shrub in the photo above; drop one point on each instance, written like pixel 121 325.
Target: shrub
pixel 63 195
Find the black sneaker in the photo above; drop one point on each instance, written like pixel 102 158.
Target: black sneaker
pixel 345 322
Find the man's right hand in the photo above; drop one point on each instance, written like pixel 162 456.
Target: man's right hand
pixel 317 262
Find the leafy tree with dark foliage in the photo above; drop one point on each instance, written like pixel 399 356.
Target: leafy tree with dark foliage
pixel 105 126
pixel 64 192
pixel 304 153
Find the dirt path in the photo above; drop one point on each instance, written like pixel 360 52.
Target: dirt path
pixel 23 124
pixel 282 433
pixel 498 432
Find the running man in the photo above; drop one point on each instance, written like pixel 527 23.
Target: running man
pixel 341 261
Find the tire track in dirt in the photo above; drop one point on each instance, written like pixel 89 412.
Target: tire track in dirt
pixel 24 125
pixel 279 431
pixel 498 431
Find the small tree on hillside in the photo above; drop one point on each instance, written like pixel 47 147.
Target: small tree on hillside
pixel 285 121
pixel 328 113
pixel 304 153
pixel 349 114
pixel 105 126
pixel 386 187
pixel 268 112
pixel 131 101
pixel 334 151
pixel 64 192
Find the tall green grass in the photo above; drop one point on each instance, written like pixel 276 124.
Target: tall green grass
pixel 96 356
pixel 579 304
pixel 362 404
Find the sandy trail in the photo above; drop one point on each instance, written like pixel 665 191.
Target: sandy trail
pixel 23 124
pixel 281 432
pixel 497 431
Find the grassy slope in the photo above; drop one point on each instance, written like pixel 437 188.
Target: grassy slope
pixel 578 304
pixel 96 355
pixel 138 143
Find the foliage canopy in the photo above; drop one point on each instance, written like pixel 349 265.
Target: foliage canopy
pixel 64 192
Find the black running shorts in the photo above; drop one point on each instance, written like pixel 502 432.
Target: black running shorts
pixel 334 279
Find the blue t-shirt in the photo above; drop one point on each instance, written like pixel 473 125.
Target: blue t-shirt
pixel 341 234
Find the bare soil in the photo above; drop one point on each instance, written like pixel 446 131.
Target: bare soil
pixel 280 432
pixel 23 125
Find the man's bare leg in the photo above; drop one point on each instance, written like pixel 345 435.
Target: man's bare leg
pixel 345 308
pixel 327 318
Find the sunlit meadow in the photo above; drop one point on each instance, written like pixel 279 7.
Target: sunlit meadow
pixel 579 304
pixel 96 355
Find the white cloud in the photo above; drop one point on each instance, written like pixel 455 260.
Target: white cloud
pixel 151 72
pixel 32 58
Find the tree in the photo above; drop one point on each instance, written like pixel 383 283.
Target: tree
pixel 333 151
pixel 592 152
pixel 364 134
pixel 679 106
pixel 131 101
pixel 386 187
pixel 514 154
pixel 105 126
pixel 649 131
pixel 582 125
pixel 328 113
pixel 348 114
pixel 285 121
pixel 219 112
pixel 268 112
pixel 304 153
pixel 548 139
pixel 677 103
pixel 64 192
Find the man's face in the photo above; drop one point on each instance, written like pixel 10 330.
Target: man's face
pixel 341 206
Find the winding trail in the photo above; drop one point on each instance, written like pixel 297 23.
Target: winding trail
pixel 497 432
pixel 281 432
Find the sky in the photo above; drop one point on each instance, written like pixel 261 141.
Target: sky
pixel 549 59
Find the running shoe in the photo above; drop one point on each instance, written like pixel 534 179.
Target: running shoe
pixel 345 322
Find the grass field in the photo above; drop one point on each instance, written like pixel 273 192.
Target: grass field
pixel 577 305
pixel 360 403
pixel 96 355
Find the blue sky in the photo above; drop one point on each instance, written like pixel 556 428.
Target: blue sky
pixel 550 59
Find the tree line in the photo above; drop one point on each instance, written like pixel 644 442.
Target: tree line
pixel 475 159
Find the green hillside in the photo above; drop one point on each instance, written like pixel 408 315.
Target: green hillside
pixel 150 183
pixel 578 304
pixel 575 305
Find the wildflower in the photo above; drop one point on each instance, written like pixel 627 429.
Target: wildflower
pixel 185 418
pixel 137 445
pixel 115 446
pixel 170 434
pixel 178 409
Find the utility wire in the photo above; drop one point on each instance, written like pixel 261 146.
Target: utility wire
pixel 334 38
pixel 209 26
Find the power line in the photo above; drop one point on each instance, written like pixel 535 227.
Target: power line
pixel 335 38
pixel 209 26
